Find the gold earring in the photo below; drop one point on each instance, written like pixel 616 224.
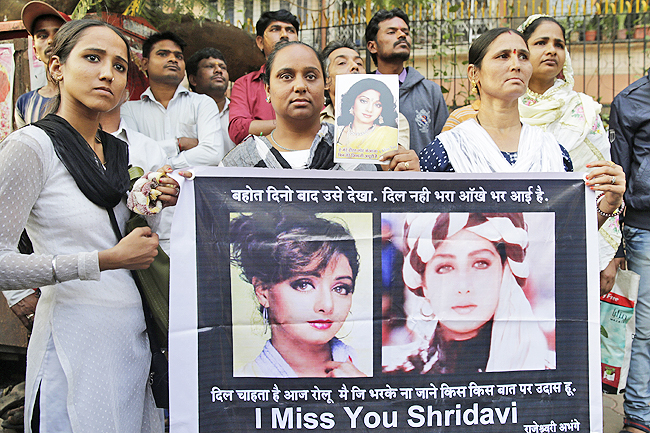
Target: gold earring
pixel 474 87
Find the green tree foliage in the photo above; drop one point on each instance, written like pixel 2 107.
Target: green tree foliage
pixel 157 12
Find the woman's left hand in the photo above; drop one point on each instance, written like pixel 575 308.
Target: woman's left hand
pixel 401 160
pixel 609 178
pixel 169 188
pixel 342 369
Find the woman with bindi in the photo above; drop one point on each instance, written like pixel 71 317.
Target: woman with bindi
pixel 497 141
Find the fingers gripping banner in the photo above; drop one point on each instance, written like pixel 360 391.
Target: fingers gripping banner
pixel 321 301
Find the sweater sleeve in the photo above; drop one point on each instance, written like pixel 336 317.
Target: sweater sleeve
pixel 22 177
pixel 441 112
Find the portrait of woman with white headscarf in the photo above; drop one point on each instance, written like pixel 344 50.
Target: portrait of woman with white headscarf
pixel 470 272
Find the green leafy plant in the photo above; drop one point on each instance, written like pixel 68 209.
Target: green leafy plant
pixel 447 50
pixel 155 11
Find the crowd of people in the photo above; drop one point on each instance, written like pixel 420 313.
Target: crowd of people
pixel 78 136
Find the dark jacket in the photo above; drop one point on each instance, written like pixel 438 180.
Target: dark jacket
pixel 629 134
pixel 422 103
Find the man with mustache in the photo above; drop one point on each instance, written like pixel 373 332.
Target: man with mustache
pixel 250 112
pixel 207 73
pixel 185 124
pixel 388 40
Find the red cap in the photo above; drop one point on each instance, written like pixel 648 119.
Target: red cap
pixel 36 9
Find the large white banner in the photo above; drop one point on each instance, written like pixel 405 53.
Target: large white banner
pixel 337 301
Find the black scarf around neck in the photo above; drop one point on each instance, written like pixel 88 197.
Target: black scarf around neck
pixel 104 187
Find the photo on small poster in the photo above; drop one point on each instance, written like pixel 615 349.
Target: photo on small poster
pixel 367 108
pixel 299 288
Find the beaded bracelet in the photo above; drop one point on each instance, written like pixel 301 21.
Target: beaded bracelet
pixel 608 215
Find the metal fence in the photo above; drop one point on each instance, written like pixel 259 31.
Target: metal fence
pixel 608 51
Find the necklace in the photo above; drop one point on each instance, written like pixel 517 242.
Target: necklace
pixel 360 134
pixel 281 147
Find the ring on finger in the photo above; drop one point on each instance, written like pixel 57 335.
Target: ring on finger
pixel 407 165
pixel 611 163
pixel 613 180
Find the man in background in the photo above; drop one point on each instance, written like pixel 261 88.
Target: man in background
pixel 185 124
pixel 341 58
pixel 42 22
pixel 207 73
pixel 388 39
pixel 250 112
pixel 629 135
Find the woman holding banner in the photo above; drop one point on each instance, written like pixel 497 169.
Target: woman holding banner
pixel 64 179
pixel 295 86
pixel 303 270
pixel 572 117
pixel 470 270
pixel 497 141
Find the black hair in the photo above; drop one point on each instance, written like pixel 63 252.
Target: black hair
pixel 481 45
pixel 66 39
pixel 528 31
pixel 192 64
pixel 389 109
pixel 275 246
pixel 281 15
pixel 373 25
pixel 161 36
pixel 278 47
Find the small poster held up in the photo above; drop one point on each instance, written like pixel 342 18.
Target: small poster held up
pixel 366 112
